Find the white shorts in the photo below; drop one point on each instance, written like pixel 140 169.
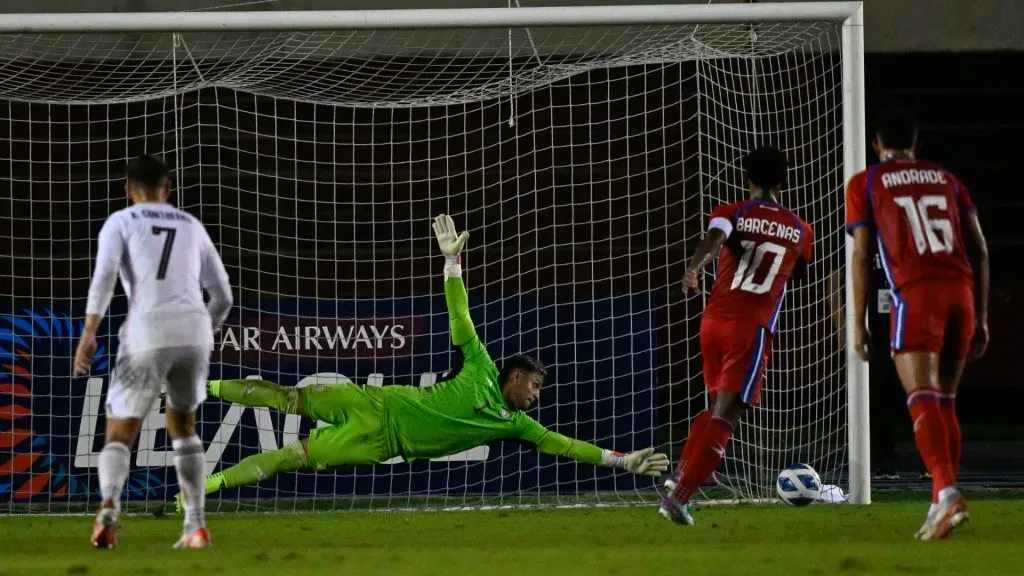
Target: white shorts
pixel 139 379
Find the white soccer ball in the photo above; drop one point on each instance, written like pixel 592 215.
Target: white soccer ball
pixel 798 485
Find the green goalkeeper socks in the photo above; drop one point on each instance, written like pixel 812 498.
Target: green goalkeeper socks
pixel 259 467
pixel 256 393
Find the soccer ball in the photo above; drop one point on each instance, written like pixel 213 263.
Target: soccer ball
pixel 798 485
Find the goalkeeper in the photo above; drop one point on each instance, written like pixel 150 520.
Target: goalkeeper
pixel 372 424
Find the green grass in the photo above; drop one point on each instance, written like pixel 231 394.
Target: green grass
pixel 819 540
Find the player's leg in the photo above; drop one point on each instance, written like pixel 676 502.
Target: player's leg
pixel 133 389
pixel 326 402
pixel 186 390
pixel 919 320
pixel 949 510
pixel 739 387
pixel 955 349
pixel 918 371
pixel 697 428
pixel 259 394
pixel 699 425
pixel 258 467
pixel 950 371
pixel 358 438
pixel 712 364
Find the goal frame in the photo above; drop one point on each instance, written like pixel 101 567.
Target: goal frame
pixel 847 14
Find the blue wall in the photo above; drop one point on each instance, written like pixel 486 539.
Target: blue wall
pixel 601 357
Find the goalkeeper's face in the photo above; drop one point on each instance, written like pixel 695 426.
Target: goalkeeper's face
pixel 522 388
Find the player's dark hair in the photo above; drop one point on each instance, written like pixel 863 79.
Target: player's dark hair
pixel 520 362
pixel 896 130
pixel 766 167
pixel 147 171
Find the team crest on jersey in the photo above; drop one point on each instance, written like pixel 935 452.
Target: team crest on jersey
pixel 505 414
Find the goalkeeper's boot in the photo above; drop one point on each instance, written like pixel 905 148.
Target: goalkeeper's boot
pixel 213 388
pixel 104 528
pixel 199 538
pixel 950 513
pixel 214 482
pixel 676 511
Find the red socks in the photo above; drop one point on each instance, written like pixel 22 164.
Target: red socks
pixel 947 403
pixel 699 425
pixel 707 452
pixel 932 437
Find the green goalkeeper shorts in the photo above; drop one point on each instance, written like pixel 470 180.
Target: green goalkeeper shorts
pixel 357 433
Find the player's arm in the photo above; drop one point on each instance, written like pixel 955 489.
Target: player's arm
pixel 645 461
pixel 719 230
pixel 214 279
pixel 859 224
pixel 461 324
pixel 977 254
pixel 110 250
pixel 861 283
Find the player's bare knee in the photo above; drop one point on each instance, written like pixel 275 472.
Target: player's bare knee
pixel 123 430
pixel 917 370
pixel 181 423
pixel 728 406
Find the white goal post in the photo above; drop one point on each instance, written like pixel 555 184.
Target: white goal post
pixel 582 146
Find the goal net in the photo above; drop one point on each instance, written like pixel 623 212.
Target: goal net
pixel 583 160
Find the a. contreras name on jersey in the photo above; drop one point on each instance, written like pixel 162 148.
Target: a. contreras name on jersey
pixel 913 176
pixel 768 228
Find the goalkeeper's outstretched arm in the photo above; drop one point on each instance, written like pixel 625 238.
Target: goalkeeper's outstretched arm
pixel 646 462
pixel 463 332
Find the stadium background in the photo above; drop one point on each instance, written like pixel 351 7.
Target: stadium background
pixel 952 72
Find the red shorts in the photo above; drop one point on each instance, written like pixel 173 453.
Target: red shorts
pixel 736 354
pixel 933 317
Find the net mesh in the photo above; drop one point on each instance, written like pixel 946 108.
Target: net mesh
pixel 583 161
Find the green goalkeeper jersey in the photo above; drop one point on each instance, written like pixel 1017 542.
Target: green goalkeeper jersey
pixel 468 410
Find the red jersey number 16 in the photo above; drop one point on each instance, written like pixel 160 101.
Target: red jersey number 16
pixel 932 234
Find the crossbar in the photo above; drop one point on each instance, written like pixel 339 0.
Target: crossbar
pixel 533 17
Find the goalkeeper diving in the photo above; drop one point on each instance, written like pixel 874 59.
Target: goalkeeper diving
pixel 369 425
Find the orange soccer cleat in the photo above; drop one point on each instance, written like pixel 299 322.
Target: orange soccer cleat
pixel 197 539
pixel 951 513
pixel 104 528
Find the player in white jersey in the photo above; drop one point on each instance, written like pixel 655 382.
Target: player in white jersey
pixel 166 259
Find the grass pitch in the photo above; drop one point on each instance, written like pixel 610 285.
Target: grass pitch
pixel 817 540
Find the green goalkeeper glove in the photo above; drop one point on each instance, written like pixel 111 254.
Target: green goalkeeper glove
pixel 645 462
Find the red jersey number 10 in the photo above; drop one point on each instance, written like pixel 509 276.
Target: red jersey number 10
pixel 750 262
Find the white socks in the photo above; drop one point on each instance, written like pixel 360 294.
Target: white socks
pixel 946 492
pixel 115 460
pixel 188 461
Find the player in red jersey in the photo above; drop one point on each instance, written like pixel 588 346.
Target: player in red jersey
pixel 761 245
pixel 934 254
